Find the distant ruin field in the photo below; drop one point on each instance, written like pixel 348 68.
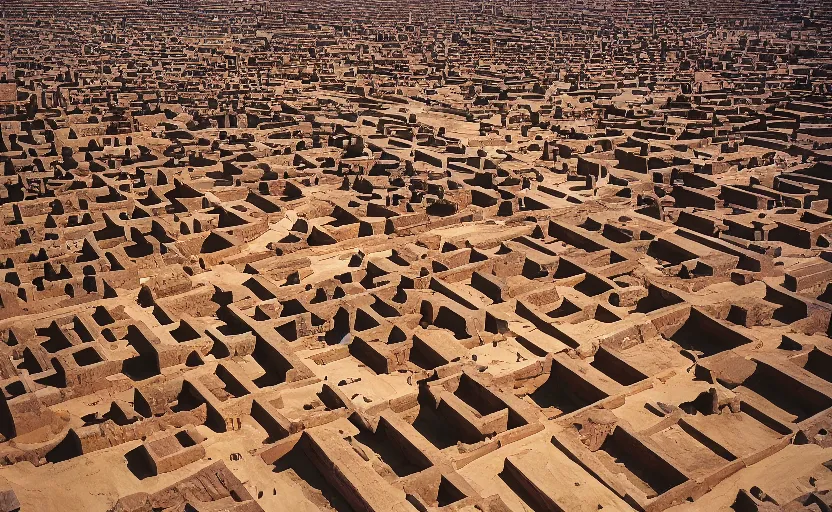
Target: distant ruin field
pixel 438 256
